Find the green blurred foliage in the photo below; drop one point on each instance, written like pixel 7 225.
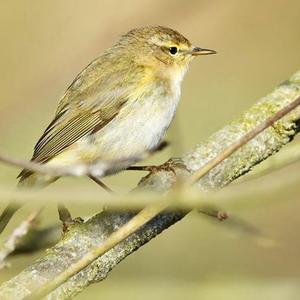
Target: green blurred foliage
pixel 44 44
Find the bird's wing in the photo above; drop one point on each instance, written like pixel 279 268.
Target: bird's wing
pixel 70 130
pixel 86 107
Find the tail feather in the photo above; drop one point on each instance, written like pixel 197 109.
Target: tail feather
pixel 26 180
pixel 7 214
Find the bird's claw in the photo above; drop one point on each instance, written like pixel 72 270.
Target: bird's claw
pixel 66 225
pixel 169 166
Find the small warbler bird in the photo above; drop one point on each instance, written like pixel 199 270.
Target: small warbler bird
pixel 119 106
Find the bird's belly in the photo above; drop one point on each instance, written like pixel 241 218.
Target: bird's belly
pixel 131 133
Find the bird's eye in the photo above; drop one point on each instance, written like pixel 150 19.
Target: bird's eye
pixel 173 50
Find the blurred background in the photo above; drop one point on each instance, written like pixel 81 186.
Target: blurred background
pixel 44 44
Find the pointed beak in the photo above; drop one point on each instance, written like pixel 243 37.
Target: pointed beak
pixel 200 51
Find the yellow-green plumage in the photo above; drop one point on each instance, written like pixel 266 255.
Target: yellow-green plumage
pixel 119 106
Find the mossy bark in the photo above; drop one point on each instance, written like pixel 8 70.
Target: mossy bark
pixel 83 237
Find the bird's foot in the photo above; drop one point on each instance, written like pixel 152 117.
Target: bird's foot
pixel 169 166
pixel 67 224
pixel 66 218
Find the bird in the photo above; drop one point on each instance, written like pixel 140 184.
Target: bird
pixel 119 106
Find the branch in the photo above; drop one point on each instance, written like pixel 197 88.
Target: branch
pixel 152 210
pixel 84 237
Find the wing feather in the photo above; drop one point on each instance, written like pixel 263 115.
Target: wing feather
pixel 88 105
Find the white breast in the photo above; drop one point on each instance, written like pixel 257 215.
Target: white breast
pixel 140 128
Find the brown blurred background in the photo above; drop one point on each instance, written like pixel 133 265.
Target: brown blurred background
pixel 44 44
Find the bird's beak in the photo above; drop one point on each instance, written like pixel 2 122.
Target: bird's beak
pixel 200 51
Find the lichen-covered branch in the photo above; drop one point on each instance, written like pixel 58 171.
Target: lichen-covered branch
pixel 83 237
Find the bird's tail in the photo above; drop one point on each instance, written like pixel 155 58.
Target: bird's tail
pixel 7 214
pixel 29 181
pixel 13 205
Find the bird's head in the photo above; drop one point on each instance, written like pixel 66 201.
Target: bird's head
pixel 161 46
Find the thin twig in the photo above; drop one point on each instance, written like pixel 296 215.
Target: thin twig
pixel 102 184
pixel 149 212
pixel 193 198
pixel 14 239
pixel 98 168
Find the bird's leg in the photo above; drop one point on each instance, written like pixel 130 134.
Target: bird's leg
pixel 152 169
pixel 66 217
pixel 168 166
pixel 102 184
